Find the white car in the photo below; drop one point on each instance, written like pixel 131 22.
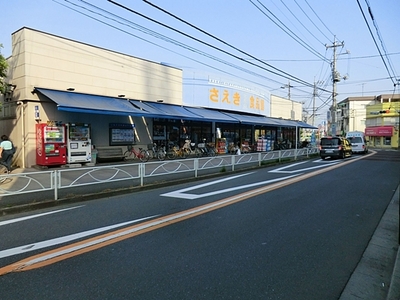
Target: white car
pixel 358 141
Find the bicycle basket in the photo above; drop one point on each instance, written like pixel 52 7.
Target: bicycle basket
pixel 201 145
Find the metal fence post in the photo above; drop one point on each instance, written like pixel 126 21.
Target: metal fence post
pixel 54 183
pixel 141 173
pixel 233 162
pixel 259 159
pixel 196 167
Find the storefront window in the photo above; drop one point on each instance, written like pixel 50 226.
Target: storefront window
pixel 388 141
pixel 159 133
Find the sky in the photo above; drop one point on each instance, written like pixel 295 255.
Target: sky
pixel 268 45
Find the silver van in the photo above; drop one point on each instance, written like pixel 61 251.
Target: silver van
pixel 358 142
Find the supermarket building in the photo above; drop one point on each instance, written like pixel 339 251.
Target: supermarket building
pixel 113 100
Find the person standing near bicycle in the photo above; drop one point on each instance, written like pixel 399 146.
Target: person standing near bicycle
pixel 6 152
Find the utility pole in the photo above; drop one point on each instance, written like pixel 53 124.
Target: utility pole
pixel 292 110
pixel 335 79
pixel 313 105
pixel 314 96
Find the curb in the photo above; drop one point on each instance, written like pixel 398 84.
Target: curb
pixel 394 288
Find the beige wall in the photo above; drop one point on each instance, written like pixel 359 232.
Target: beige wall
pixel 282 108
pixel 43 60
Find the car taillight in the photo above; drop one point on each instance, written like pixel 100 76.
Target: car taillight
pixel 340 147
pixel 320 147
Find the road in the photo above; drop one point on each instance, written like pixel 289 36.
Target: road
pixel 294 231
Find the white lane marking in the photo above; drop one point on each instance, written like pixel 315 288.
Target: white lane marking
pixel 38 215
pixel 64 239
pixel 181 193
pixel 280 170
pixel 157 222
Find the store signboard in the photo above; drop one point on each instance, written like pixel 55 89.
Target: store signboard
pixel 225 95
pixel 379 131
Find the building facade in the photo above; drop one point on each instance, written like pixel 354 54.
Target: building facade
pixel 382 122
pixel 351 114
pixel 376 116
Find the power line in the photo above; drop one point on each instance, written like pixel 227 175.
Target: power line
pixel 288 76
pixel 301 23
pixel 291 34
pixel 319 20
pixel 380 37
pixel 146 30
pixel 311 21
pixel 377 47
pixel 150 32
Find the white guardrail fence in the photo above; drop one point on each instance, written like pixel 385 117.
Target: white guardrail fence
pixel 131 174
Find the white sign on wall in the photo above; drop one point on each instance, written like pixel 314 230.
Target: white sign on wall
pixel 218 94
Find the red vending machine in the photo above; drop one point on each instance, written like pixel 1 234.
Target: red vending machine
pixel 50 144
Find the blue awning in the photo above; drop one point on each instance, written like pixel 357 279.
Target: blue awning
pixel 302 124
pixel 249 119
pixel 267 121
pixel 86 103
pixel 147 108
pixel 174 111
pixel 211 115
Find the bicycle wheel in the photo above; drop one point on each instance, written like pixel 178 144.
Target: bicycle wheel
pixel 171 154
pixel 185 152
pixel 211 152
pixel 152 153
pixel 129 155
pixel 3 172
pixel 198 152
pixel 161 155
pixel 144 155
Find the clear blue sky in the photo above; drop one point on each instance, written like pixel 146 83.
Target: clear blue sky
pixel 245 25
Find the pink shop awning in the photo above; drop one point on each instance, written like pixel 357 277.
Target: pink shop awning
pixel 379 131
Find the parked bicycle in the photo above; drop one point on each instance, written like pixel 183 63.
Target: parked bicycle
pixel 156 151
pixel 176 152
pixel 191 148
pixel 206 149
pixel 132 153
pixel 3 172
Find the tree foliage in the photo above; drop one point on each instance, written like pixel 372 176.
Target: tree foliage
pixel 3 72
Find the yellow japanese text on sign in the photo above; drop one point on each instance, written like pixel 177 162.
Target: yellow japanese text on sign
pixel 235 99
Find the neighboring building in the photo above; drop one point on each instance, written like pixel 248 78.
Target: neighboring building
pixel 376 116
pixel 120 100
pixel 351 114
pixel 285 108
pixel 382 122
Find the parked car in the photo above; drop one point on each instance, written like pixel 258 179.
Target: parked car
pixel 358 141
pixel 335 147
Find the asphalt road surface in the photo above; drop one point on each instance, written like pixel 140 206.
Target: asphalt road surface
pixel 294 231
